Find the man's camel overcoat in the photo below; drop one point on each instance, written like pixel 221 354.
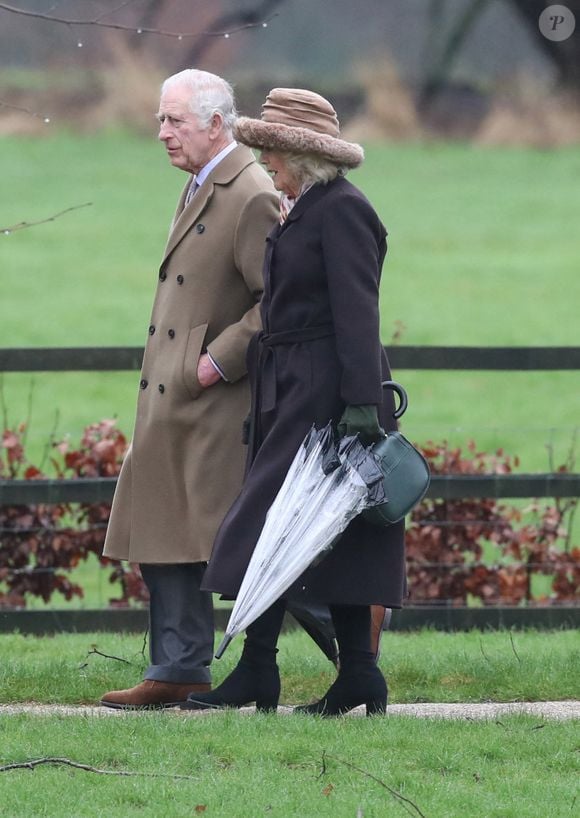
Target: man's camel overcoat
pixel 186 461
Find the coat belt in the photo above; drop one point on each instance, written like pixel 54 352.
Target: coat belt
pixel 295 336
pixel 264 391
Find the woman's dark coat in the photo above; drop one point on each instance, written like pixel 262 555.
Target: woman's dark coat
pixel 321 280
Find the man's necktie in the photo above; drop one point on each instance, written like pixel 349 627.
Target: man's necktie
pixel 191 192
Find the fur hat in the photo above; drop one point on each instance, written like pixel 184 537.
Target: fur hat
pixel 299 121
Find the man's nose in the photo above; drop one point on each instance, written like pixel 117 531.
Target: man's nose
pixel 163 132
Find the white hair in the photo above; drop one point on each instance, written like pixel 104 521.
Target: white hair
pixel 309 168
pixel 210 94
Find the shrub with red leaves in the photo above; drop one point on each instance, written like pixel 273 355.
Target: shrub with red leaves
pixel 100 454
pixel 41 542
pixel 35 541
pixel 448 541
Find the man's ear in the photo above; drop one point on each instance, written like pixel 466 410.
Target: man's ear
pixel 216 124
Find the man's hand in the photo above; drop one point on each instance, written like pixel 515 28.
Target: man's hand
pixel 207 374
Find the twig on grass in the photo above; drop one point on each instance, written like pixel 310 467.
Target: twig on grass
pixel 36 762
pixel 397 795
pixel 483 653
pixel 22 225
pixel 145 635
pixel 514 647
pixel 95 652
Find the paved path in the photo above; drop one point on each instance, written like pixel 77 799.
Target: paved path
pixel 487 710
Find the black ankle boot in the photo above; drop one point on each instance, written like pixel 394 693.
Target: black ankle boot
pixel 364 685
pixel 246 684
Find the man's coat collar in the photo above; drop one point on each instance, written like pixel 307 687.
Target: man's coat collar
pixel 185 217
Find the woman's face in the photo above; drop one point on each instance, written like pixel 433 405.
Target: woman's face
pixel 275 164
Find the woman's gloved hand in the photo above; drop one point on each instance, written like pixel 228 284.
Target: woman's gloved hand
pixel 361 420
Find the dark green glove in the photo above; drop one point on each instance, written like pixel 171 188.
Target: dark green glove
pixel 361 420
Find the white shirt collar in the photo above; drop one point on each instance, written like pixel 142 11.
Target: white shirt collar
pixel 207 169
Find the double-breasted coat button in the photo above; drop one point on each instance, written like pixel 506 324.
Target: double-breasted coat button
pixel 180 279
pixel 144 383
pixel 199 228
pixel 151 329
pixel 171 333
pixel 161 388
pixel 162 275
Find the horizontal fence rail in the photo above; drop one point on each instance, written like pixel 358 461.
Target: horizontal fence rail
pixel 452 486
pixel 444 618
pixel 448 487
pixel 109 359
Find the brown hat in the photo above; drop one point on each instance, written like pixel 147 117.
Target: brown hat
pixel 299 121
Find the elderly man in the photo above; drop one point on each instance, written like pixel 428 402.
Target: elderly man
pixel 185 465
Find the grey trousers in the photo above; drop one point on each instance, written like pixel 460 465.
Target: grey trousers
pixel 181 628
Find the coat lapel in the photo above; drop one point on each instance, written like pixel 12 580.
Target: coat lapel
pixel 315 194
pixel 186 217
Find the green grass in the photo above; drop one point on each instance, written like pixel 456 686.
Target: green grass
pixel 483 250
pixel 243 767
pixel 422 666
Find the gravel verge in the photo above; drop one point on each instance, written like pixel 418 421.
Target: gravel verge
pixel 433 710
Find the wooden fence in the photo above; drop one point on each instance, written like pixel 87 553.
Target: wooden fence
pixel 450 486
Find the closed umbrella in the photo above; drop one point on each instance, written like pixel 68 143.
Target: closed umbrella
pixel 327 485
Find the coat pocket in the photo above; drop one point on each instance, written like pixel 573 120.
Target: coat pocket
pixel 191 358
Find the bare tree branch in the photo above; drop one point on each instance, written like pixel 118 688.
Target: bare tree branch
pixel 397 795
pixel 109 12
pixel 45 119
pixel 22 225
pixel 245 18
pixel 36 762
pixel 99 23
pixel 438 73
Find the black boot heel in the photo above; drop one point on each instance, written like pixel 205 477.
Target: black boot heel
pixel 377 707
pixel 267 705
pixel 246 684
pixel 367 687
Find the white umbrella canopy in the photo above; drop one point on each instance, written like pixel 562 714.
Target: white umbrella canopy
pixel 327 485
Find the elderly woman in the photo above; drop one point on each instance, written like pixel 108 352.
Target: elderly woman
pixel 319 357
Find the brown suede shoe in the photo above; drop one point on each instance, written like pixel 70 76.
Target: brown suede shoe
pixel 152 695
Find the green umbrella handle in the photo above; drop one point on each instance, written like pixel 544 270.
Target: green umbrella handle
pixel 401 392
